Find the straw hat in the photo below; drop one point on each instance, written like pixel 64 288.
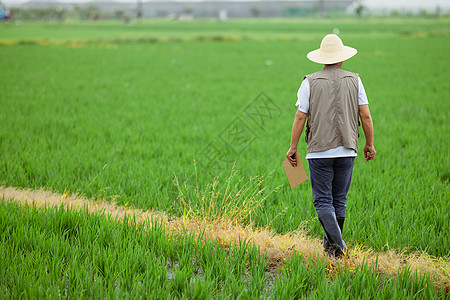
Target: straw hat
pixel 331 51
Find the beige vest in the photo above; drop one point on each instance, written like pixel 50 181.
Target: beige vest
pixel 333 116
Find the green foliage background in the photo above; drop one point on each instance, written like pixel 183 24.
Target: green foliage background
pixel 114 111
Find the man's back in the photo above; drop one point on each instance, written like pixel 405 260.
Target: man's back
pixel 333 110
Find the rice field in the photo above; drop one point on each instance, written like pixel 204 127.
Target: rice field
pixel 139 115
pixel 60 253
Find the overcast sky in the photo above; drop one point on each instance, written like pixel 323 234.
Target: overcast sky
pixel 373 4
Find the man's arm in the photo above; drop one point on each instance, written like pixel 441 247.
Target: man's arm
pixel 366 120
pixel 297 129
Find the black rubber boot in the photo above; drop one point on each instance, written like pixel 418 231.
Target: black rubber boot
pixel 326 245
pixel 334 245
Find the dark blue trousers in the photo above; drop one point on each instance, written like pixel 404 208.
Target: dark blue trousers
pixel 330 181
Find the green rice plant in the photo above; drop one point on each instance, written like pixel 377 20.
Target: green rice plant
pixel 298 281
pixel 38 259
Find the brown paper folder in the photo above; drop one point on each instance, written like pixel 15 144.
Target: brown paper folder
pixel 295 175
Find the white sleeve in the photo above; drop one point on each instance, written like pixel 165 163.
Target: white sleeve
pixel 362 97
pixel 303 96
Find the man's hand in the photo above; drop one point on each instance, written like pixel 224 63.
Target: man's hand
pixel 366 120
pixel 291 156
pixel 369 152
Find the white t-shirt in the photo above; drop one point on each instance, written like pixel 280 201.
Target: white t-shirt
pixel 303 106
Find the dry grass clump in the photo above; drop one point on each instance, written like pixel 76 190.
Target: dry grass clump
pixel 219 215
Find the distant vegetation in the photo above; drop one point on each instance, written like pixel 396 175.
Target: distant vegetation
pixel 56 14
pixel 94 12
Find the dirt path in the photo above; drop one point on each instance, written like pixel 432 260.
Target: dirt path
pixel 277 247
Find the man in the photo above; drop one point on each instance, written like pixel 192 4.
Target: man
pixel 332 101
